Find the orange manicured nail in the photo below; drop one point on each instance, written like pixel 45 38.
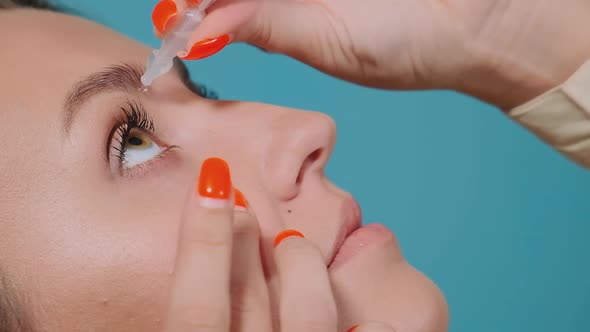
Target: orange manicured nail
pixel 240 199
pixel 193 3
pixel 163 14
pixel 214 182
pixel 353 328
pixel 207 47
pixel 285 234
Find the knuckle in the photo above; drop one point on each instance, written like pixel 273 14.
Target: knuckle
pixel 248 306
pixel 203 318
pixel 239 292
pixel 249 297
pixel 246 300
pixel 261 31
pixel 203 234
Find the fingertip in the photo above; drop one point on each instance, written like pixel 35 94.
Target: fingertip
pixel 240 200
pixel 163 14
pixel 206 47
pixel 214 186
pixel 225 18
pixel 286 234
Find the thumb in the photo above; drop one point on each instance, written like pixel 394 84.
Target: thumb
pixel 281 26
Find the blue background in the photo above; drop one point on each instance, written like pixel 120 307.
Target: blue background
pixel 499 220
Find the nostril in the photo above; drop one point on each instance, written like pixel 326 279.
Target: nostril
pixel 310 160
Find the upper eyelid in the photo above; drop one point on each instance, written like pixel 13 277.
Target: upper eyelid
pixel 135 109
pixel 121 77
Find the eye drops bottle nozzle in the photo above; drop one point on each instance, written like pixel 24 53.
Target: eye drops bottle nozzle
pixel 175 41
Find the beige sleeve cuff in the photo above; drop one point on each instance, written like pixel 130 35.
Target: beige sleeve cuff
pixel 561 116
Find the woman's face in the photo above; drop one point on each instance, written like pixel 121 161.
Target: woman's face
pixel 91 194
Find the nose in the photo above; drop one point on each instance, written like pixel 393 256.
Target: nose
pixel 298 151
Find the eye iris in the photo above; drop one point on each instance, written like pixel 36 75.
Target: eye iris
pixel 138 142
pixel 135 141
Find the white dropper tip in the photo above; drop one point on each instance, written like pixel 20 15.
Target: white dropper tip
pixel 159 64
pixel 162 60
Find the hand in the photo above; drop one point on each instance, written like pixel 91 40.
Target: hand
pixel 218 283
pixel 503 51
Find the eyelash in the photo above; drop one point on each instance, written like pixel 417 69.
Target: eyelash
pixel 133 116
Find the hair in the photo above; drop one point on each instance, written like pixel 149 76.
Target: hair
pixel 38 4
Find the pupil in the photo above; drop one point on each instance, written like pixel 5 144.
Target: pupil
pixel 135 141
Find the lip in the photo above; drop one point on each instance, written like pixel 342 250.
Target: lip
pixel 351 222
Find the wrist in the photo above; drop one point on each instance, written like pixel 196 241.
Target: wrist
pixel 507 83
pixel 513 68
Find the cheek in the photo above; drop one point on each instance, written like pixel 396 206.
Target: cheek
pixel 107 256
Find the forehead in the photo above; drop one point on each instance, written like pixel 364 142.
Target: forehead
pixel 45 53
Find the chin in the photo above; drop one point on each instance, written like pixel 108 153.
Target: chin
pixel 377 284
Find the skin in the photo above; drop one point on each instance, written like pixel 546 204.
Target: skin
pixel 94 251
pixel 504 52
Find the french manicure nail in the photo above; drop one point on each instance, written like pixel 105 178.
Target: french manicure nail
pixel 214 183
pixel 240 200
pixel 285 234
pixel 164 14
pixel 207 47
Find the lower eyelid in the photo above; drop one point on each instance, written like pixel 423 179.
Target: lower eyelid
pixel 155 164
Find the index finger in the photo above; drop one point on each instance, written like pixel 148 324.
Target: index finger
pixel 234 14
pixel 165 13
pixel 200 290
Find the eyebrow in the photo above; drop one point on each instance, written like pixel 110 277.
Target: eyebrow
pixel 122 77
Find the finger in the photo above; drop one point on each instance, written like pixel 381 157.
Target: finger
pixel 165 13
pixel 306 299
pixel 200 292
pixel 372 327
pixel 275 26
pixel 249 293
